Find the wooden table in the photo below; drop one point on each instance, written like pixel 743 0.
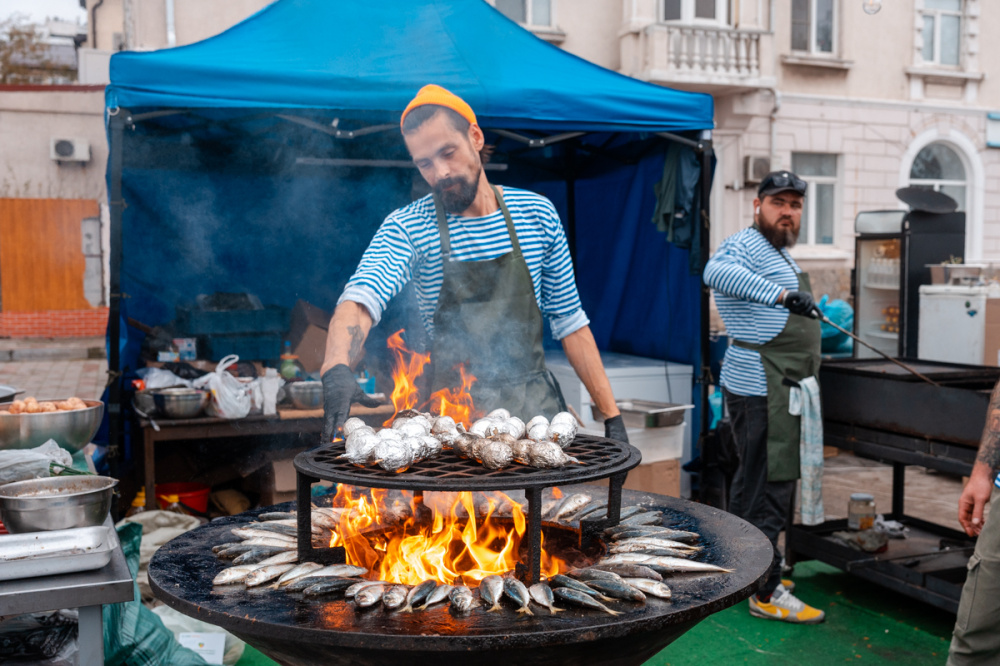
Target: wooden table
pixel 287 420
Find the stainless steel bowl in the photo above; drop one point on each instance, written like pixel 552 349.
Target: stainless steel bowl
pixel 144 402
pixel 306 395
pixel 56 503
pixel 71 430
pixel 180 403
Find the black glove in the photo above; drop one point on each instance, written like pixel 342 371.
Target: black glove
pixel 614 428
pixel 340 389
pixel 799 302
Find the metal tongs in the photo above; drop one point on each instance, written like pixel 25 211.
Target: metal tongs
pixel 816 313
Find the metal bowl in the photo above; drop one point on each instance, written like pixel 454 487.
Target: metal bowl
pixel 144 402
pixel 306 395
pixel 56 503
pixel 71 430
pixel 180 403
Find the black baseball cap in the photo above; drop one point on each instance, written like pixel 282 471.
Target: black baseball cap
pixel 781 181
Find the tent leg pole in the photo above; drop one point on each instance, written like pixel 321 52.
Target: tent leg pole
pixel 570 158
pixel 706 227
pixel 117 207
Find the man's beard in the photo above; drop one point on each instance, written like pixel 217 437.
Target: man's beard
pixel 458 200
pixel 779 237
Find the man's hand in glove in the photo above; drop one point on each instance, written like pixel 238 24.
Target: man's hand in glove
pixel 340 389
pixel 614 428
pixel 799 302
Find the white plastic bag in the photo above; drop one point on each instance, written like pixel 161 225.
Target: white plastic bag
pixel 24 464
pixel 157 378
pixel 230 397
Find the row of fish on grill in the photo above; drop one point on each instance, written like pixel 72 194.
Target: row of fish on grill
pixel 640 551
pixel 496 441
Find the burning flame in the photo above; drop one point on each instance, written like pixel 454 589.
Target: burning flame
pixel 441 538
pixel 407 365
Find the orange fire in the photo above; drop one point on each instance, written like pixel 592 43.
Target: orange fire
pixel 407 365
pixel 442 537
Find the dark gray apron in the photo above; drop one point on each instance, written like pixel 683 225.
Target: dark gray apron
pixel 793 354
pixel 487 318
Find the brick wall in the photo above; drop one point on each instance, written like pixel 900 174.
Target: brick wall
pixel 54 323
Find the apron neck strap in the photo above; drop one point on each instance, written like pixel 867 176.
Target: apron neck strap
pixel 442 220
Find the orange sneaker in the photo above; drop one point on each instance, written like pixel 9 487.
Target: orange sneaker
pixel 784 606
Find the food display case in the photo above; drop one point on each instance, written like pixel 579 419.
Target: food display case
pixel 892 252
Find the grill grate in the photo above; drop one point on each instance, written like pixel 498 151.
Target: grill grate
pixel 601 458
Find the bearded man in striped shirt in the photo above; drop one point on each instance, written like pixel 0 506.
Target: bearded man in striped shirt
pixel 487 264
pixel 765 301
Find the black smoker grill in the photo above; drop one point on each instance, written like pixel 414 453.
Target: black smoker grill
pixel 299 633
pixel 879 411
pixel 602 458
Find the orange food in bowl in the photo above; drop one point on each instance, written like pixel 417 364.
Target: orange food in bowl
pixel 30 405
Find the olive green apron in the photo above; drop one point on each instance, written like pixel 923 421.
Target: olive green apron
pixel 488 319
pixel 793 354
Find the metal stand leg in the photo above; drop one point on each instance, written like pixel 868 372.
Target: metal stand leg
pixel 534 572
pixel 590 529
pixel 149 467
pixel 303 501
pixel 90 636
pixel 898 489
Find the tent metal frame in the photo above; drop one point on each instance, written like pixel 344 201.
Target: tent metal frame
pixel 120 119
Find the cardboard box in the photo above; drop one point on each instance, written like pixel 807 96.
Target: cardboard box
pixel 662 478
pixel 275 482
pixel 308 334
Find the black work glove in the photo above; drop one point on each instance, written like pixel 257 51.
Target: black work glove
pixel 799 302
pixel 614 428
pixel 340 389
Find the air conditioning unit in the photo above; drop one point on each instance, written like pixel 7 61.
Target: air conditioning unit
pixel 69 150
pixel 755 167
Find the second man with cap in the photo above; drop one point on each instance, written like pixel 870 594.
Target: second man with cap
pixel 766 303
pixel 488 263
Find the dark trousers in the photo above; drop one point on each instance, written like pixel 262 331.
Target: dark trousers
pixel 762 503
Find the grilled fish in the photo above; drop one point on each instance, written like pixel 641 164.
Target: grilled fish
pixel 223 546
pixel 577 598
pixel 275 527
pixel 353 590
pixel 491 589
pixel 326 586
pixel 302 582
pixel 394 597
pixel 593 574
pixel 650 587
pixel 301 570
pixel 518 593
pixel 626 570
pixel 417 594
pixel 274 540
pixel 640 531
pixel 617 590
pixel 671 564
pixel 657 542
pixel 437 595
pixel 276 515
pixel 645 518
pixel 593 507
pixel 246 533
pixel 560 580
pixel 233 575
pixel 542 595
pixel 266 573
pixel 571 505
pixel 461 599
pixel 630 511
pixel 369 596
pixel 255 555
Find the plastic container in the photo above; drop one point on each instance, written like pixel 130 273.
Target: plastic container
pixel 861 511
pixel 191 495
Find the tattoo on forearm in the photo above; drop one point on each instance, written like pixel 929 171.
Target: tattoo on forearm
pixel 357 340
pixel 989 447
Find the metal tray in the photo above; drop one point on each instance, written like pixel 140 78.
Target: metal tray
pixel 646 413
pixel 56 551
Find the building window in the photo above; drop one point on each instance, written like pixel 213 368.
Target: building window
pixel 696 11
pixel 942 32
pixel 937 167
pixel 531 13
pixel 813 26
pixel 819 209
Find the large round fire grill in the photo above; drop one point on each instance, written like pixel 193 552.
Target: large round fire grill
pixel 296 632
pixel 600 457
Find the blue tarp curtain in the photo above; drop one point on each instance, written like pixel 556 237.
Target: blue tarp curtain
pixel 217 198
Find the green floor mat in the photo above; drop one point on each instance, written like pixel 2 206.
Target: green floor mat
pixel 252 657
pixel 865 623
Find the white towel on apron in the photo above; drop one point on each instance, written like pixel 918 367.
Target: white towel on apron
pixel 804 402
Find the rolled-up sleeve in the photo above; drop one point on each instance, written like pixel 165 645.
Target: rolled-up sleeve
pixel 384 269
pixel 728 272
pixel 560 300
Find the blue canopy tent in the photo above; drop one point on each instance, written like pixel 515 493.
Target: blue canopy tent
pixel 264 158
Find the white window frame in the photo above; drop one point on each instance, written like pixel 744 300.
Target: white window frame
pixel 688 17
pixel 809 210
pixel 528 6
pixel 937 14
pixel 813 51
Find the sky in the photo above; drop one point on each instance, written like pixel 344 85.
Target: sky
pixel 38 10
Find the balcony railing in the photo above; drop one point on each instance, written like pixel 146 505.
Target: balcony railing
pixel 705 56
